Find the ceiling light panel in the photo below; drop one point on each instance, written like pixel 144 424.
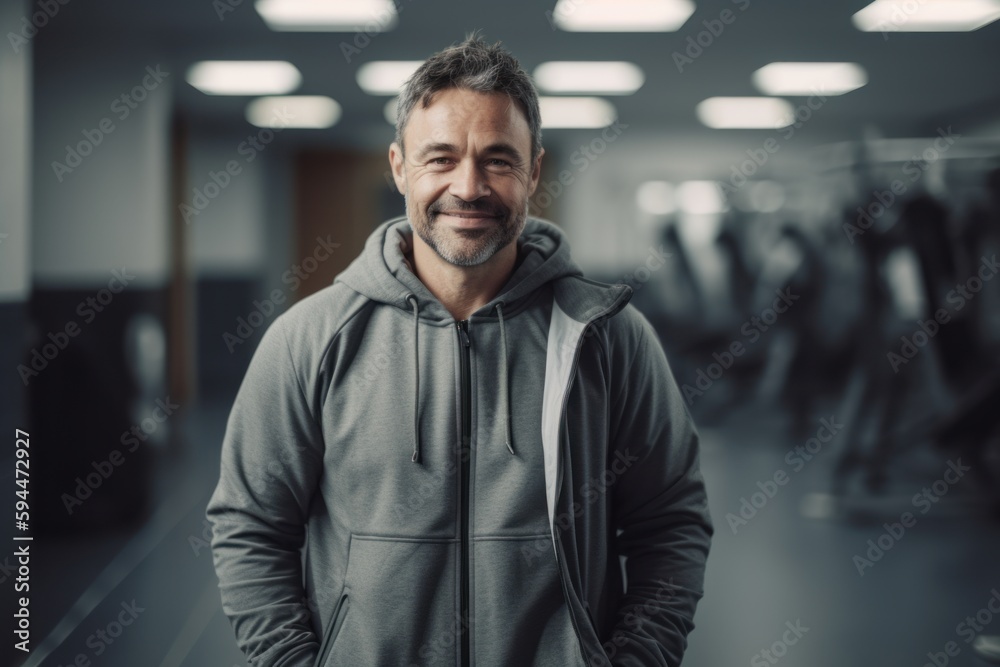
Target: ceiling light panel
pixel 576 112
pixel 244 77
pixel 926 15
pixel 605 78
pixel 745 113
pixel 299 111
pixel 621 15
pixel 804 78
pixel 386 77
pixel 368 16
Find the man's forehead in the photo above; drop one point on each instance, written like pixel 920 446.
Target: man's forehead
pixel 452 113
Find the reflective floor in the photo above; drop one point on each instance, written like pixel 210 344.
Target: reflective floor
pixel 781 588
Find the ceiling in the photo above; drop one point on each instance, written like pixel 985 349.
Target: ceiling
pixel 917 81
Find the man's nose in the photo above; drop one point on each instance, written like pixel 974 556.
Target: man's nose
pixel 468 182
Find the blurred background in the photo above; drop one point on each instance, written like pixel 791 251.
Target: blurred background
pixel 805 198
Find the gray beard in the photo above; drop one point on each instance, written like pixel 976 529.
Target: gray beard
pixel 486 242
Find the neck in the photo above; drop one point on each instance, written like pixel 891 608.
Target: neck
pixel 462 290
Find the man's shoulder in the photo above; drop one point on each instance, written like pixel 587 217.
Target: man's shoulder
pixel 311 323
pixel 631 320
pixel 630 327
pixel 627 337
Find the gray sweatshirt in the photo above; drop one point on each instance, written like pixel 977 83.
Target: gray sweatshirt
pixel 398 488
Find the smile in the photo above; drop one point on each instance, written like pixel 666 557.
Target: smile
pixel 468 220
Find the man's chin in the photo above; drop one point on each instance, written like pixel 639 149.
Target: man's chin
pixel 469 234
pixel 462 254
pixel 469 223
pixel 461 245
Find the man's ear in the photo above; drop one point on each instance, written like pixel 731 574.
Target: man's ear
pixel 536 172
pixel 396 163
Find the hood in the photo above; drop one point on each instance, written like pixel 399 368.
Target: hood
pixel 383 273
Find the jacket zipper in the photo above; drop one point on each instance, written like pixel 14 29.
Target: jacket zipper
pixel 572 617
pixel 465 455
pixel 559 562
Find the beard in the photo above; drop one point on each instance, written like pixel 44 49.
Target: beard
pixel 467 247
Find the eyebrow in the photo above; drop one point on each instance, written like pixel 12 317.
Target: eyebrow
pixel 437 147
pixel 505 149
pixel 501 148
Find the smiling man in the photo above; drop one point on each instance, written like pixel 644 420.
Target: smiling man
pixel 462 452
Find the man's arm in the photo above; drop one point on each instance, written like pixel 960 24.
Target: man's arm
pixel 272 458
pixel 659 503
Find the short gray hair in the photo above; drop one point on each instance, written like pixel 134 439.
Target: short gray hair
pixel 477 66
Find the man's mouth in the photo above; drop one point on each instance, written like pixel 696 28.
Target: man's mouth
pixel 468 219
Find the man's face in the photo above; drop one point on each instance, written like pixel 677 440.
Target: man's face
pixel 466 174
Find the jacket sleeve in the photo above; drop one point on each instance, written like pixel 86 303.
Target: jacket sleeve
pixel 659 505
pixel 272 457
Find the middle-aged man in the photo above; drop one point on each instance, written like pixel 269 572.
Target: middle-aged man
pixel 464 432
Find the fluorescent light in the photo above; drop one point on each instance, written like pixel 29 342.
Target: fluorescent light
pixel 583 112
pixel 701 197
pixel 305 111
pixel 656 197
pixel 745 112
pixel 367 16
pixel 244 77
pixel 926 15
pixel 621 15
pixel 608 78
pixel 386 77
pixel 809 78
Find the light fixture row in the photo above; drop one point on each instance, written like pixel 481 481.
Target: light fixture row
pixel 387 77
pixel 575 83
pixel 610 16
pixel 275 79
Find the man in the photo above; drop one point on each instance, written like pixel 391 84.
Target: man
pixel 464 432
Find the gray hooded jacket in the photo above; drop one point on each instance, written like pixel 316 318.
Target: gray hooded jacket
pixel 398 488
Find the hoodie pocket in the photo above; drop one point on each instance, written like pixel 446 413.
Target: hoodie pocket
pixel 402 604
pixel 333 628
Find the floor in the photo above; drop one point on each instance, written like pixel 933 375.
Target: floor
pixel 782 586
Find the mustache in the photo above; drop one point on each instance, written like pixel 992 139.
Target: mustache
pixel 485 208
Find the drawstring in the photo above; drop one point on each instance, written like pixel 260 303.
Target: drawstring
pixel 504 400
pixel 504 390
pixel 416 381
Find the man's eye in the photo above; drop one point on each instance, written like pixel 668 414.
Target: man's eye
pixel 440 160
pixel 497 162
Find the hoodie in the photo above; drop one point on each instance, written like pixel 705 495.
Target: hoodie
pixel 521 487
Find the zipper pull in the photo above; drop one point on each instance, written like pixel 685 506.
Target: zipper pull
pixel 462 334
